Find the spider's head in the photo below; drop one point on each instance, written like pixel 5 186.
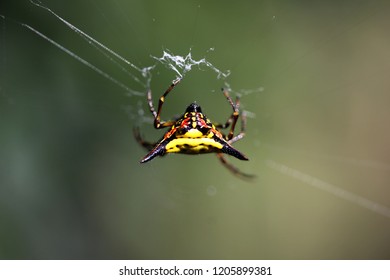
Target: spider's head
pixel 193 107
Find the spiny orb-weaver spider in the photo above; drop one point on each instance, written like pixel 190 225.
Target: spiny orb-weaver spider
pixel 194 133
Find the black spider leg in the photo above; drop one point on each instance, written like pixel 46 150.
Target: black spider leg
pixel 243 129
pixel 232 120
pixel 233 169
pixel 147 145
pixel 158 124
pixel 227 164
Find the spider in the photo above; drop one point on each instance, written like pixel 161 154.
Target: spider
pixel 194 133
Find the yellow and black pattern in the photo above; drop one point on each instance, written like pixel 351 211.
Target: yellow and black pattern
pixel 193 133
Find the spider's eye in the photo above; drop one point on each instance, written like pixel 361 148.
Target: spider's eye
pixel 194 108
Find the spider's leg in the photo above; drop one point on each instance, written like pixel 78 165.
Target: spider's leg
pixel 230 119
pixel 242 132
pixel 226 124
pixel 157 115
pixel 147 145
pixel 234 117
pixel 233 169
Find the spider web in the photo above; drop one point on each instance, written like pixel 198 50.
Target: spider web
pixel 180 66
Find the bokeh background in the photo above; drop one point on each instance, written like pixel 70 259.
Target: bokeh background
pixel 316 82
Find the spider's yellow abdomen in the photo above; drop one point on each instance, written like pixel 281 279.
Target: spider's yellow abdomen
pixel 193 133
pixel 193 146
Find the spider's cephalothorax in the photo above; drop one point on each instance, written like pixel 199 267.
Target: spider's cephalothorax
pixel 194 133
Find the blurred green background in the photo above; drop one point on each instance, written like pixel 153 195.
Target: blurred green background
pixel 71 186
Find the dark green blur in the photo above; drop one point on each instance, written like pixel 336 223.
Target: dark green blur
pixel 71 186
